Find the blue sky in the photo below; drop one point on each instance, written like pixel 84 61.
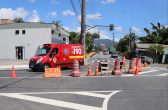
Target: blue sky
pixel 124 14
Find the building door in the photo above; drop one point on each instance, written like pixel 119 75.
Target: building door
pixel 19 53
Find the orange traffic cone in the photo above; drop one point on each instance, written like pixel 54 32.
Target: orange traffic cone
pixel 97 70
pixel 136 71
pixel 75 72
pixel 117 70
pixel 89 70
pixel 13 73
pixel 132 66
pixel 123 60
pixel 139 65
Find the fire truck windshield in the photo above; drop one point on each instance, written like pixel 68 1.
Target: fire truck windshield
pixel 42 51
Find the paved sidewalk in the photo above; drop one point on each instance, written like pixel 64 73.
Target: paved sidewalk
pixel 159 65
pixel 18 64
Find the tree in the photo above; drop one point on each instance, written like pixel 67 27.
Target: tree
pixel 74 38
pixel 158 34
pixel 123 44
pixel 95 36
pixel 127 45
pixel 18 20
pixel 89 42
pixel 157 50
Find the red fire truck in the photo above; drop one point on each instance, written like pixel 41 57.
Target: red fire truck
pixel 52 55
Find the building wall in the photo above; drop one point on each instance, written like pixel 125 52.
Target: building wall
pixel 32 38
pixel 6 21
pixel 165 56
pixel 59 35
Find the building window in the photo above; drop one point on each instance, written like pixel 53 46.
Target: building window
pixel 64 39
pixel 16 32
pixel 59 34
pixel 52 31
pixel 23 32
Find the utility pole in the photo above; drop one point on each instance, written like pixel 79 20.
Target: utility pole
pixel 83 27
pixel 130 43
pixel 113 38
pixel 98 42
pixel 83 24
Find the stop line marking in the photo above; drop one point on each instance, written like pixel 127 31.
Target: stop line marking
pixel 25 96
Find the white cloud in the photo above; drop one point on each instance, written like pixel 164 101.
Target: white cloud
pixel 68 13
pixel 118 28
pixel 94 16
pixel 77 29
pixel 9 13
pixel 108 1
pixel 166 26
pixel 32 1
pixel 94 30
pixel 66 28
pixel 104 35
pixel 34 17
pixel 54 1
pixel 72 29
pixel 79 18
pixel 135 29
pixel 53 13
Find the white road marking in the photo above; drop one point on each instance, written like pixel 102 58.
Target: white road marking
pixel 108 76
pixel 52 102
pixel 163 74
pixel 61 92
pixel 90 94
pixel 64 103
pixel 105 103
pixel 148 71
pixel 128 75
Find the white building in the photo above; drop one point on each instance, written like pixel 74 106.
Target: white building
pixel 20 40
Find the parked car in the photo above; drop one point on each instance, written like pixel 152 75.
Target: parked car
pixel 106 53
pixel 146 59
pixel 115 56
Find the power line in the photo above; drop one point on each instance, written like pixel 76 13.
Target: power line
pixel 75 10
pixel 80 3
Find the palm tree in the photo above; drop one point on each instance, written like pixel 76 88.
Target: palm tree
pixel 157 50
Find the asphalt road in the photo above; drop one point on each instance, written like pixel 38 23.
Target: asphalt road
pixel 31 91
